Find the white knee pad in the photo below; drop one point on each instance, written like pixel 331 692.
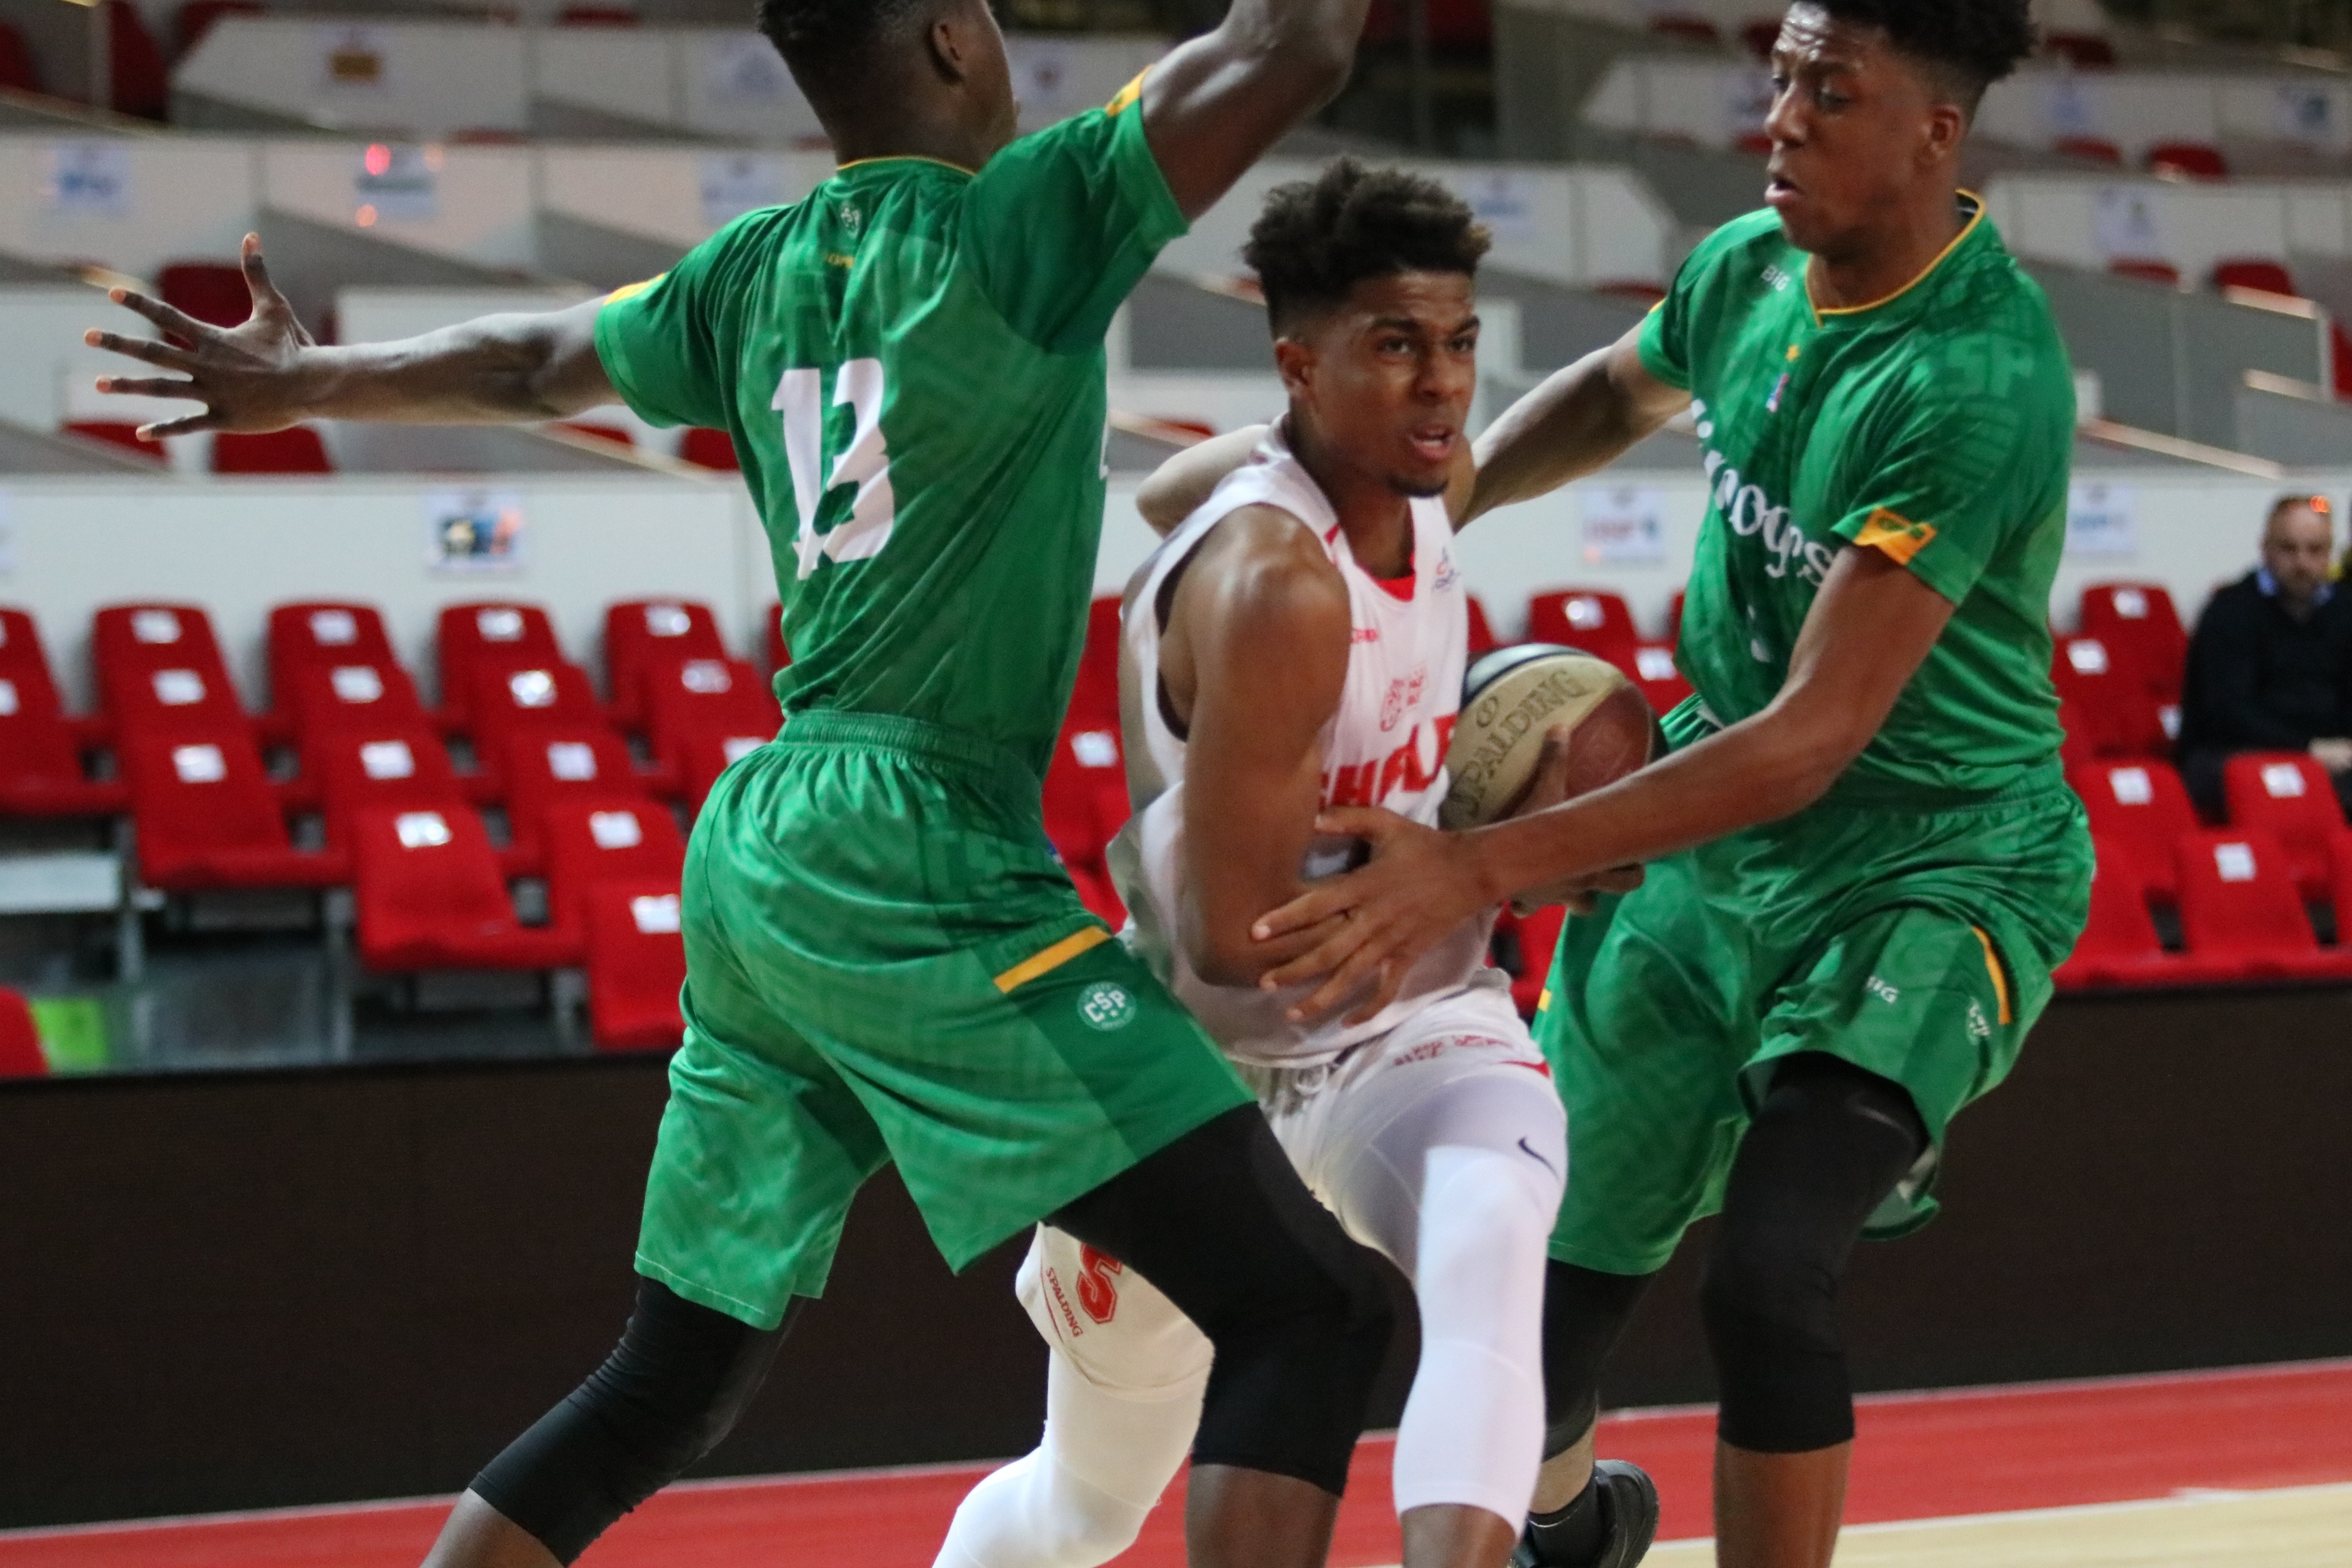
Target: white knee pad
pixel 1080 1497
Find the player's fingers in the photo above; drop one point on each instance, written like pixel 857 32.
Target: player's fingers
pixel 1368 952
pixel 186 425
pixel 1549 787
pixel 1372 823
pixel 1619 879
pixel 1311 907
pixel 165 316
pixel 171 356
pixel 148 386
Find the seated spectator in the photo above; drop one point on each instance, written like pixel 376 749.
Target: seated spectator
pixel 2270 666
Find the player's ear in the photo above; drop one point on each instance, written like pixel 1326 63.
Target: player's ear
pixel 1947 125
pixel 949 49
pixel 1295 361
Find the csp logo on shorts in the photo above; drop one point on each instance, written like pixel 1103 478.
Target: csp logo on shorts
pixel 1104 1006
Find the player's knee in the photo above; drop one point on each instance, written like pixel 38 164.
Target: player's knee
pixel 1772 1323
pixel 1484 1218
pixel 666 1396
pixel 1034 1513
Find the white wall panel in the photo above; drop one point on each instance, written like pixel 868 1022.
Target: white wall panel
pixel 181 198
pixel 480 209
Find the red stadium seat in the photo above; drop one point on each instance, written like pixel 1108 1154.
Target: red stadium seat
pixel 703 757
pixel 211 291
pixel 636 965
pixel 323 633
pixel 2339 347
pixel 2146 269
pixel 702 698
pixel 592 842
pixel 2288 796
pixel 2140 618
pixel 18 70
pixel 198 17
pixel 2188 160
pixel 1085 791
pixel 160 668
pixel 398 766
pixel 543 765
pixel 2340 852
pixel 2119 945
pixel 644 635
pixel 120 434
pixel 325 698
pixel 1093 695
pixel 1482 631
pixel 506 630
pixel 1674 615
pixel 2110 698
pixel 2260 274
pixel 2083 51
pixel 139 84
pixel 207 818
pixel 708 448
pixel 20 1039
pixel 297 450
pixel 41 771
pixel 429 896
pixel 2139 812
pixel 2242 916
pixel 512 697
pixel 1654 672
pixel 1594 619
pixel 2092 149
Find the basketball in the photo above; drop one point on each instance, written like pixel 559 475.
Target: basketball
pixel 1510 699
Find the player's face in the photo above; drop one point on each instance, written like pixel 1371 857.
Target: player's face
pixel 1387 379
pixel 2296 548
pixel 1855 127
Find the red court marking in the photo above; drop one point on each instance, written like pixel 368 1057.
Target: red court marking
pixel 1920 1457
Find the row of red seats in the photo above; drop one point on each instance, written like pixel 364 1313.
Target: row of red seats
pixel 2241 919
pixel 400 823
pixel 20 1040
pixel 298 449
pixel 2140 812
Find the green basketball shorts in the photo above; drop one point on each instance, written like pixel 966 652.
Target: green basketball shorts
pixel 885 962
pixel 1917 944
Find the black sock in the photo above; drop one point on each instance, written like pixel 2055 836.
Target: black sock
pixel 1571 1536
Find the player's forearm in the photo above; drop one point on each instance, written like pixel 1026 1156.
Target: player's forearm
pixel 510 369
pixel 1578 421
pixel 1181 485
pixel 1755 771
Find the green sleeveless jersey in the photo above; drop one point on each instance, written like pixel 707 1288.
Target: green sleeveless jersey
pixel 1937 426
pixel 910 362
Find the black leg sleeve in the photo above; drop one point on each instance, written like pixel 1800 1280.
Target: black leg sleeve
pixel 1585 1310
pixel 1828 1143
pixel 675 1385
pixel 1221 1223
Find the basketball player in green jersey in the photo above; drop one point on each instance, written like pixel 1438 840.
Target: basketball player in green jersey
pixel 1865 860
pixel 885 962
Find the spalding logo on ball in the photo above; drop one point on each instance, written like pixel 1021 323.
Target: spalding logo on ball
pixel 1511 698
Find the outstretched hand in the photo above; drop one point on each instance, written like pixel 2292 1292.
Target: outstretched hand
pixel 1421 884
pixel 246 377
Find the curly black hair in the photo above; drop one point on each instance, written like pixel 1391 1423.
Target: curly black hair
pixel 828 38
pixel 1318 239
pixel 1971 43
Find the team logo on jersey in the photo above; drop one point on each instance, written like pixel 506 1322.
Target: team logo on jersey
pixel 851 217
pixel 1405 695
pixel 1106 1005
pixel 1446 575
pixel 1896 534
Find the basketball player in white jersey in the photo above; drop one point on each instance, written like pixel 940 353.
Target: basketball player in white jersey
pixel 1298 642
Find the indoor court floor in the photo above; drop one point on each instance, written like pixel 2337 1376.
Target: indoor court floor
pixel 2250 1467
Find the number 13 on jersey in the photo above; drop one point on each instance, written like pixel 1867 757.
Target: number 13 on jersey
pixel 865 462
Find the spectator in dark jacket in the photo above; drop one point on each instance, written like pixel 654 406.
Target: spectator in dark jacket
pixel 2270 666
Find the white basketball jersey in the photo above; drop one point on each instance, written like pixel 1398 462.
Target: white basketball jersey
pixel 1385 746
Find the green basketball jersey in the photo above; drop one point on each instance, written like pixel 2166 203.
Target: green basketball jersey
pixel 1937 426
pixel 910 362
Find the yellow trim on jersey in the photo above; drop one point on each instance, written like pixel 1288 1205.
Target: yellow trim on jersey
pixel 1896 534
pixel 901 158
pixel 630 290
pixel 1053 957
pixel 1544 999
pixel 1125 98
pixel 2000 981
pixel 1966 229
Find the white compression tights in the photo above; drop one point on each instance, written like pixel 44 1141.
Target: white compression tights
pixel 1457 1179
pixel 1078 1499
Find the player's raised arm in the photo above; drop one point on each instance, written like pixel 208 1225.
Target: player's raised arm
pixel 1580 420
pixel 1217 103
pixel 269 373
pixel 1181 486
